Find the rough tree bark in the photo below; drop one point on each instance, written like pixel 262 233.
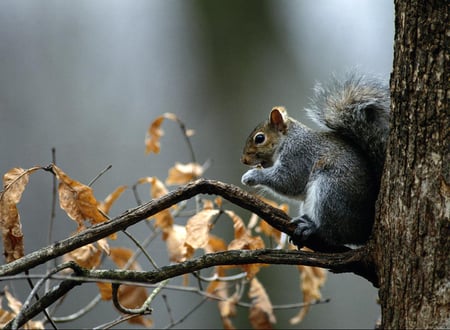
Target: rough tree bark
pixel 411 247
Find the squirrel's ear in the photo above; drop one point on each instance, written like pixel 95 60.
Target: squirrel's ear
pixel 278 118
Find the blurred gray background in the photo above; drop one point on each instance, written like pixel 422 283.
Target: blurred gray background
pixel 87 78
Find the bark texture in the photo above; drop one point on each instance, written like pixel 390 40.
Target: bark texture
pixel 412 230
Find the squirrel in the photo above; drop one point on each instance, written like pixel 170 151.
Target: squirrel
pixel 334 173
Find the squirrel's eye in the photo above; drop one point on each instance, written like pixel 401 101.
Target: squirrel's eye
pixel 259 138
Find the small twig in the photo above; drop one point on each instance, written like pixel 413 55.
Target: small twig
pixel 53 208
pixel 115 322
pixel 191 311
pixel 136 194
pixel 294 305
pixel 184 130
pixel 146 243
pixel 145 308
pixel 169 310
pixel 141 248
pixel 36 296
pixel 81 312
pixel 52 215
pixel 107 168
pixel 216 277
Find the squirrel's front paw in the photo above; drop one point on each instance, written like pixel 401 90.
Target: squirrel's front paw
pixel 250 177
pixel 305 228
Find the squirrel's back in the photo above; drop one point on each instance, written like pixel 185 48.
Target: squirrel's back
pixel 356 108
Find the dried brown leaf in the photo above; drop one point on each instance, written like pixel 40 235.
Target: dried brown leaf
pixel 146 179
pixel 105 290
pixel 219 201
pixel 171 116
pixel 155 132
pixel 103 244
pixel 311 280
pixel 77 200
pixel 106 204
pixel 14 183
pixel 153 136
pixel 197 228
pixel 120 257
pixel 133 297
pixel 15 305
pixel 130 296
pixel 215 244
pixel 243 240
pixel 163 219
pixel 158 189
pixel 264 227
pixel 5 317
pixel 227 304
pixel 269 231
pixel 183 173
pixel 87 256
pixel 261 312
pixel 208 204
pixel 12 234
pixel 239 226
pixel 175 237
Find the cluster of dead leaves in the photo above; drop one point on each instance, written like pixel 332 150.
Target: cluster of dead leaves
pixel 15 306
pixel 182 241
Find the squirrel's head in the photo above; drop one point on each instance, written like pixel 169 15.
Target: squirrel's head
pixel 263 142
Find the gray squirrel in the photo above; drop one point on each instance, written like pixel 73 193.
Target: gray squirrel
pixel 334 173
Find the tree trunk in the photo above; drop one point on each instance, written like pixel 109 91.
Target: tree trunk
pixel 412 229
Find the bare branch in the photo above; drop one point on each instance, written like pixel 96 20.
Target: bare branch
pixel 275 217
pixel 356 261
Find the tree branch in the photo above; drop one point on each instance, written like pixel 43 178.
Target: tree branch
pixel 235 195
pixel 357 261
pixel 352 261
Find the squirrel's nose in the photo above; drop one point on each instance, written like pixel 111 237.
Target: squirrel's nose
pixel 245 160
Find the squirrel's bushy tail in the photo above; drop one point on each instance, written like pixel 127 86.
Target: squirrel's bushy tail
pixel 356 107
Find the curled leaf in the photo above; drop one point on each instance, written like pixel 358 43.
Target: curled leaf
pixel 183 173
pixel 158 189
pixel 163 219
pixel 311 280
pixel 107 203
pixel 14 183
pixel 226 306
pixel 197 228
pixel 153 135
pixel 261 312
pixel 87 256
pixel 130 296
pixel 155 132
pixel 15 306
pixel 175 237
pixel 243 240
pixel 264 227
pixel 120 257
pixel 77 199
